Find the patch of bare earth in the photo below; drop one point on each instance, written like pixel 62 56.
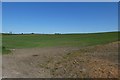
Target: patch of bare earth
pixel 92 62
pixel 31 63
pixel 99 61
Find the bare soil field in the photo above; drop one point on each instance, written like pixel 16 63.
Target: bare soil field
pixel 28 63
pixel 99 61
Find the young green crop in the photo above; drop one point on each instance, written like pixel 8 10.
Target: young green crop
pixel 52 40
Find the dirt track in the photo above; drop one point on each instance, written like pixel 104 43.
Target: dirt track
pixel 26 63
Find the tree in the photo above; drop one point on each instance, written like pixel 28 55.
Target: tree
pixel 32 33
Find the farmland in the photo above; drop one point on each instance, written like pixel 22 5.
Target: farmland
pixel 0 44
pixel 61 55
pixel 51 40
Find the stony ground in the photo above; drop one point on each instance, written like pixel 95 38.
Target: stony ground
pixel 92 62
pixel 30 63
pixel 99 61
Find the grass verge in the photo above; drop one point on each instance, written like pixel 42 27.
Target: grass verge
pixel 5 50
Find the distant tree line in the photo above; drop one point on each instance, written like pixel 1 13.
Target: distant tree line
pixel 57 33
pixel 25 33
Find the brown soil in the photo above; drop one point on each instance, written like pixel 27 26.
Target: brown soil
pixel 92 62
pixel 30 63
pixel 62 62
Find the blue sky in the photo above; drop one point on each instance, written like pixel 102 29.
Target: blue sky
pixel 63 17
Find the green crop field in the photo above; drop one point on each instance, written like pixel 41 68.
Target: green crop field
pixel 0 43
pixel 51 40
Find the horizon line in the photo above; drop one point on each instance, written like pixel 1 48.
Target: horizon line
pixel 55 32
